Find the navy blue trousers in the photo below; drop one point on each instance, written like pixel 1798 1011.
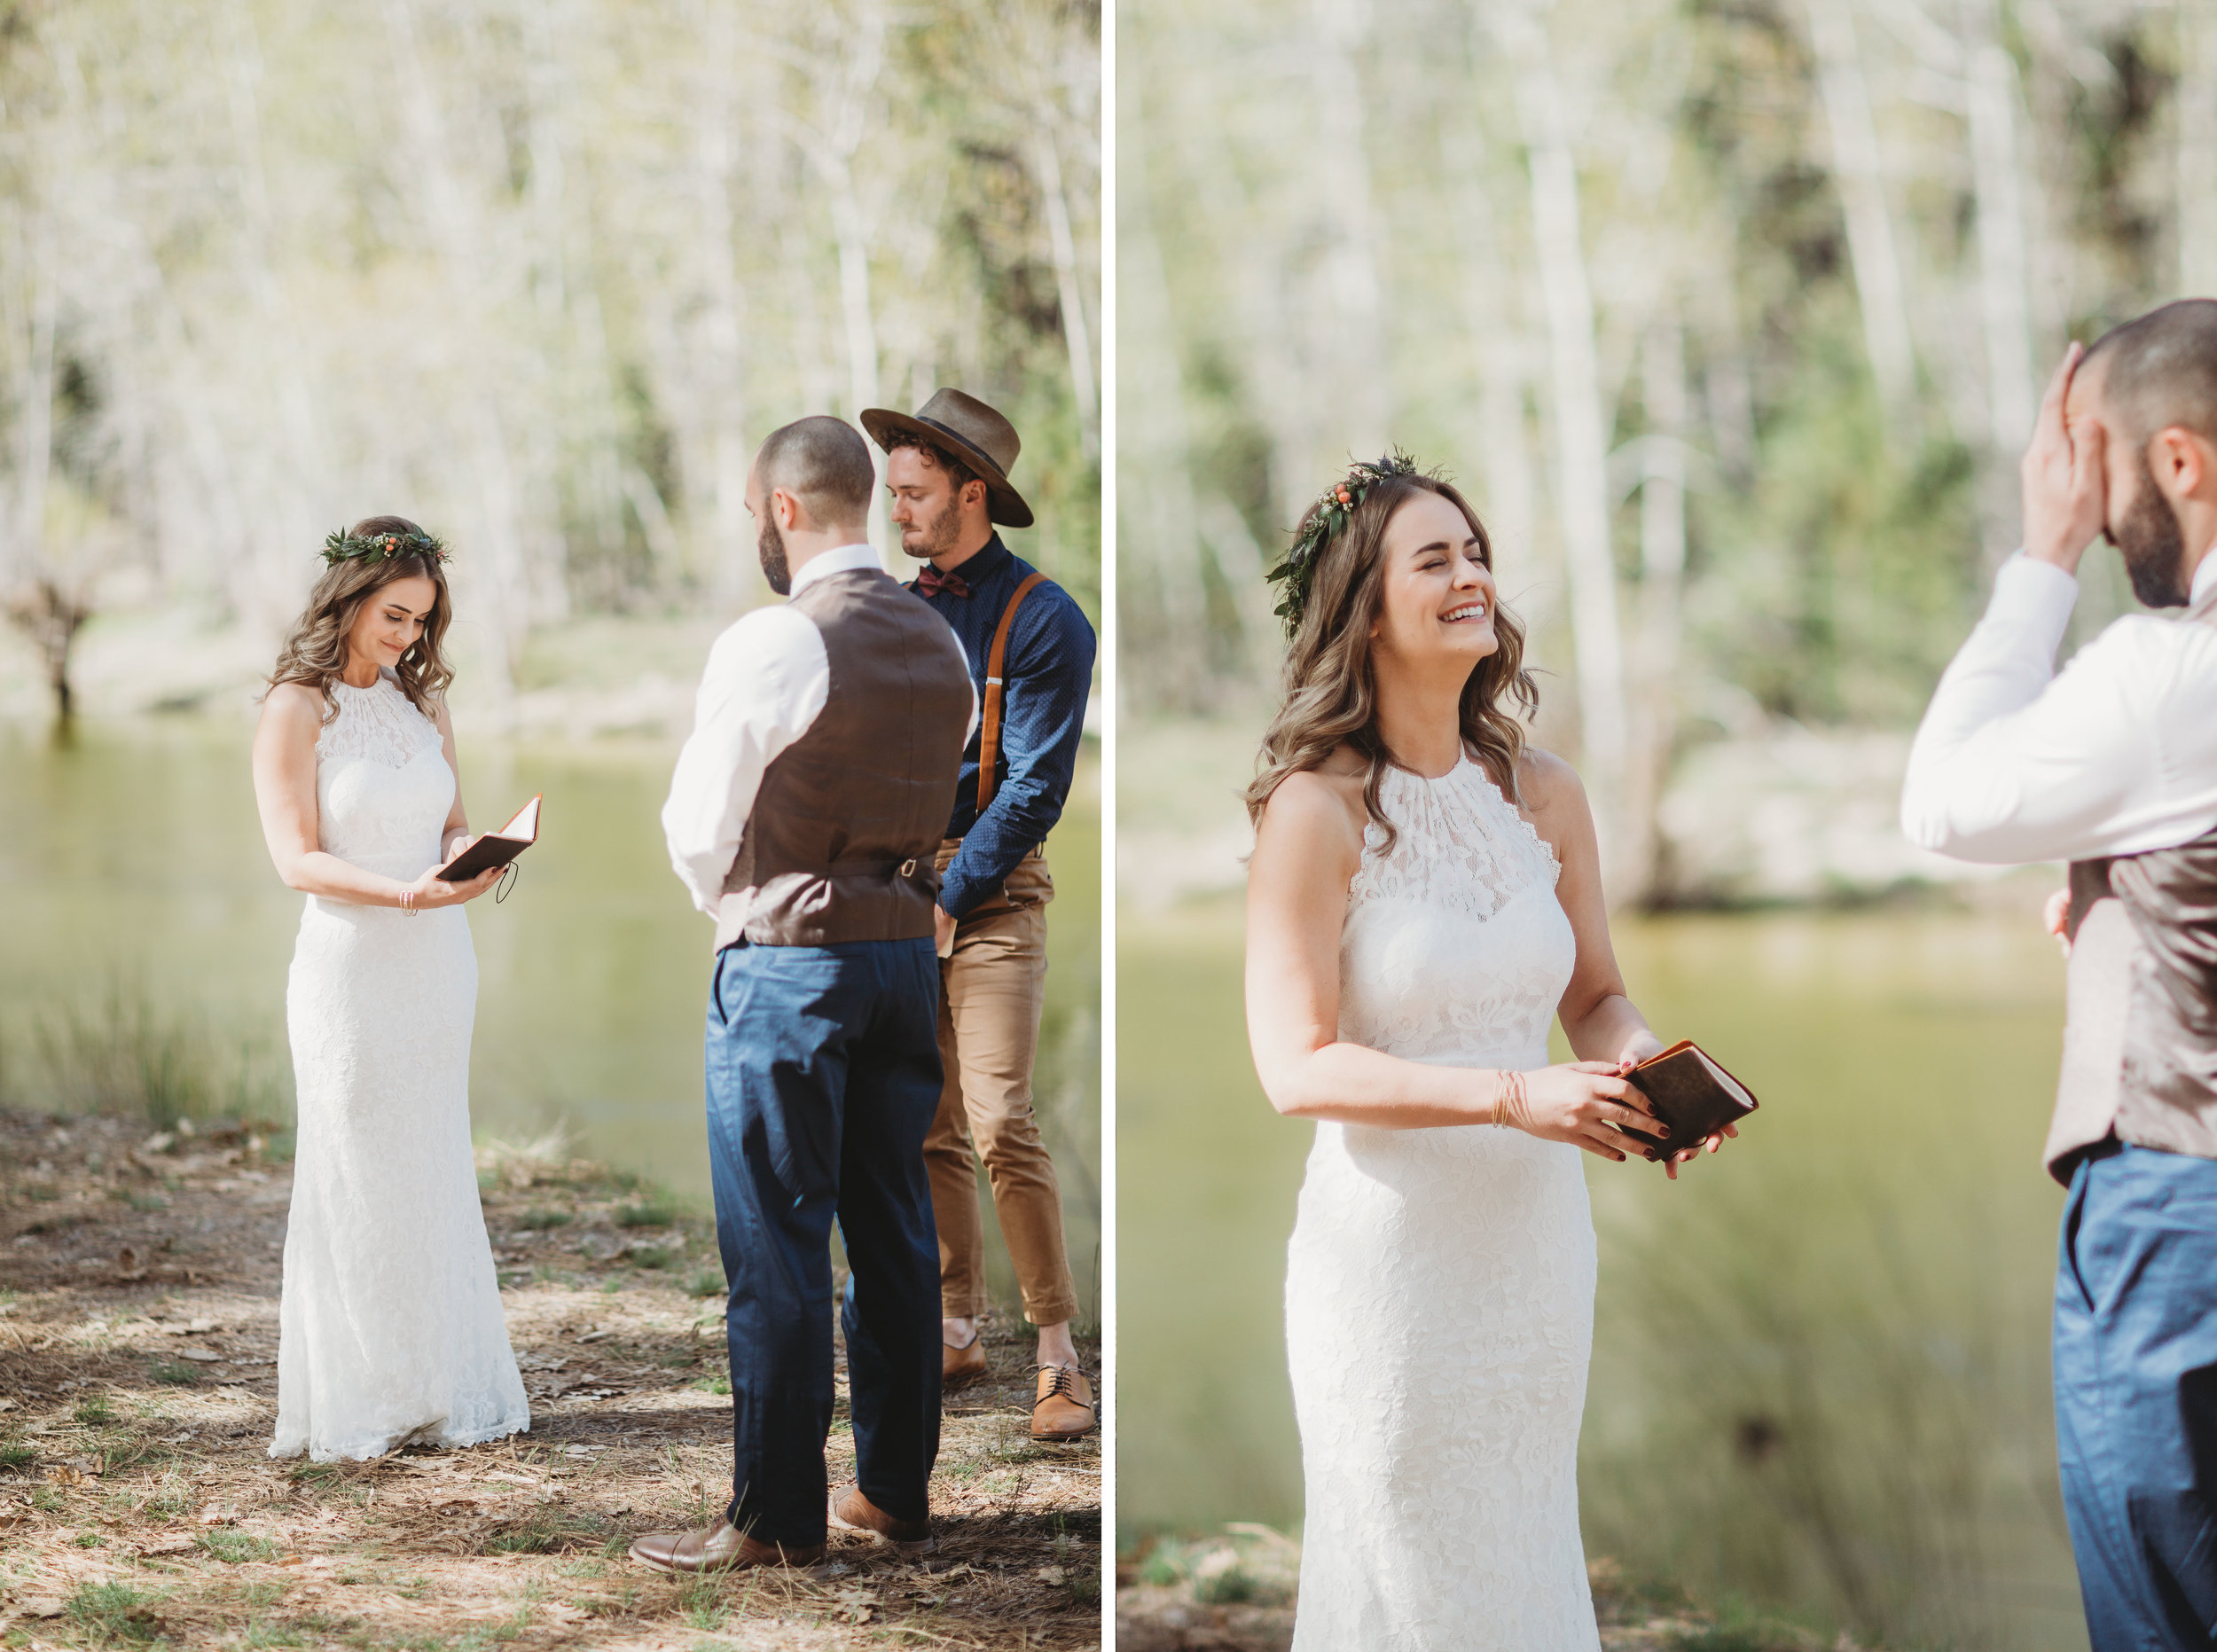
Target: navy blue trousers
pixel 2136 1394
pixel 823 1070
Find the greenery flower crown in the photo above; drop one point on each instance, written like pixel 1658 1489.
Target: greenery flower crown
pixel 1324 520
pixel 344 546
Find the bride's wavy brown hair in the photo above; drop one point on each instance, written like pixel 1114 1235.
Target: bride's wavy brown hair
pixel 1331 688
pixel 316 651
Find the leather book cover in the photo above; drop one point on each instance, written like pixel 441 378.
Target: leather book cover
pixel 496 848
pixel 1692 1094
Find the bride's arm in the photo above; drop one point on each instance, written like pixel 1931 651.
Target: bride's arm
pixel 454 836
pixel 1307 848
pixel 285 793
pixel 1598 1016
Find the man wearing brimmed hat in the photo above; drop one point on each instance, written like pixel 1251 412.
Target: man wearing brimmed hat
pixel 1030 650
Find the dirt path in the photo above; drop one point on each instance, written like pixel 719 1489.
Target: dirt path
pixel 138 1296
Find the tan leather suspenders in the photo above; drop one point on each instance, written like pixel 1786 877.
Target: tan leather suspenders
pixel 996 661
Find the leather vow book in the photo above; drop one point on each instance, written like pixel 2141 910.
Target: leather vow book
pixel 496 848
pixel 1692 1094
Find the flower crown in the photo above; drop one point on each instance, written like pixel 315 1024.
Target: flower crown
pixel 1325 520
pixel 344 546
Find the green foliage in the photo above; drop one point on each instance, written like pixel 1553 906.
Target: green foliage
pixel 235 1548
pixel 114 1612
pixel 14 1455
pixel 538 1221
pixel 175 1371
pixel 707 1282
pixel 119 1051
pixel 658 1211
pixel 94 1411
pixel 650 1256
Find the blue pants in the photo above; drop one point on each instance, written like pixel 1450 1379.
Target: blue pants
pixel 2136 1394
pixel 823 1070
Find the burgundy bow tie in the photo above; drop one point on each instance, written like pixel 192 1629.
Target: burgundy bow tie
pixel 931 581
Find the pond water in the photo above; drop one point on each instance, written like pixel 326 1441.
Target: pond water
pixel 1820 1382
pixel 131 861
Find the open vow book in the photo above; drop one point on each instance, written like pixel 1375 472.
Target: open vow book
pixel 496 848
pixel 1692 1094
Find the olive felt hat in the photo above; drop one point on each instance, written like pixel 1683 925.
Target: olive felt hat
pixel 971 430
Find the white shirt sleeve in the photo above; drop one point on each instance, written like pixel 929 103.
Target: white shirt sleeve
pixel 2117 755
pixel 767 680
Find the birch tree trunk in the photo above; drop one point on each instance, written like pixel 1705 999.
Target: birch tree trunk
pixel 1069 296
pixel 2195 187
pixel 289 490
pixel 458 234
pixel 846 84
pixel 718 370
pixel 1348 322
pixel 34 396
pixel 1158 549
pixel 1503 367
pixel 2004 266
pixel 1662 571
pixel 1858 168
pixel 1580 423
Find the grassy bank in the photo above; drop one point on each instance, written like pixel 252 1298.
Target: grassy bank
pixel 1235 1591
pixel 138 1284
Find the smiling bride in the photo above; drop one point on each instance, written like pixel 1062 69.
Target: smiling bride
pixel 1424 898
pixel 390 1327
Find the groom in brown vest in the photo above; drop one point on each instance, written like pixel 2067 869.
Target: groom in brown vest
pixel 804 817
pixel 2112 766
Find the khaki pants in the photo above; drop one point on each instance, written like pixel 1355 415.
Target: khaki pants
pixel 992 991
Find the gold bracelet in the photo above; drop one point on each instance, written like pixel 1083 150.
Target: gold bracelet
pixel 1508 1101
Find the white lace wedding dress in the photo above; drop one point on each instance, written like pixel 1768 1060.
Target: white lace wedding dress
pixel 390 1329
pixel 1439 1286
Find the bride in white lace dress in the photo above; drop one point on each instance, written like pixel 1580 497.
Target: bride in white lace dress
pixel 390 1328
pixel 1424 898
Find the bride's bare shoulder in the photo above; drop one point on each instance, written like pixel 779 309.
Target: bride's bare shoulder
pixel 1320 803
pixel 1552 797
pixel 292 706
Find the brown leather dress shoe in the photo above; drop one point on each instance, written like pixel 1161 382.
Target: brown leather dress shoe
pixel 851 1509
pixel 959 1368
pixel 720 1548
pixel 1064 1410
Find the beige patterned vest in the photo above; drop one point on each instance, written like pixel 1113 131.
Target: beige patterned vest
pixel 839 845
pixel 2140 1038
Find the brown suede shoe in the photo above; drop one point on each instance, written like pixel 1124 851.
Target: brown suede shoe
pixel 851 1509
pixel 719 1548
pixel 959 1368
pixel 1064 1410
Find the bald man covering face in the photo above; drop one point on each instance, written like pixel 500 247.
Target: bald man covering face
pixel 2112 766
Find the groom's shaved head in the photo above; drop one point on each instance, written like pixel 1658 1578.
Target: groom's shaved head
pixel 824 464
pixel 2158 372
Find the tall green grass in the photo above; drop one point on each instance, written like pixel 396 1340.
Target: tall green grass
pixel 117 1049
pixel 1811 1405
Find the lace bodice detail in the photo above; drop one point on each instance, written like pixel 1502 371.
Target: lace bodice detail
pixel 382 785
pixel 1454 948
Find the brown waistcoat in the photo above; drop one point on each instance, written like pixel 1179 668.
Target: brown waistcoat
pixel 839 844
pixel 2140 1038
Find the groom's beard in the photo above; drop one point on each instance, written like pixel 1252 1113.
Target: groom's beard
pixel 2153 548
pixel 770 546
pixel 935 538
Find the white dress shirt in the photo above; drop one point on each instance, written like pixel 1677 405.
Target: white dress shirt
pixel 767 678
pixel 2116 755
